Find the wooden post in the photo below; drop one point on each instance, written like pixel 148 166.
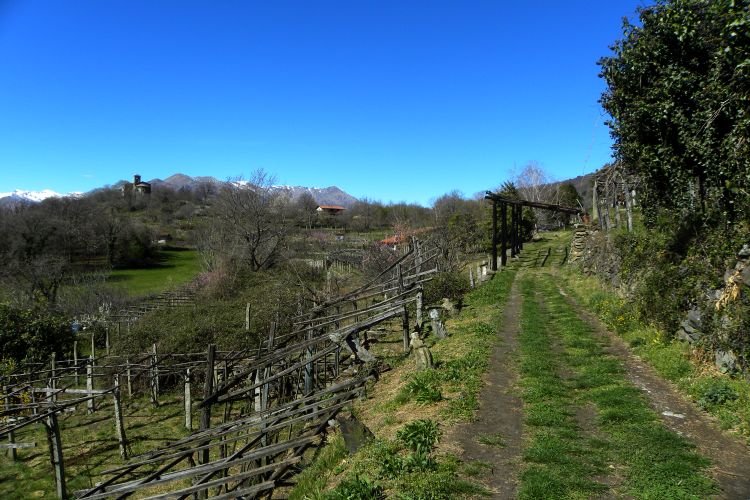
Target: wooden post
pixel 75 359
pixel 513 213
pixel 471 277
pixel 493 265
pixel 128 375
pixel 267 372
pixel 247 317
pixel 208 390
pixel 520 228
pixel 595 203
pixel 405 312
pixel 93 346
pixel 52 380
pixel 628 205
pixel 188 402
pixel 154 378
pixel 90 383
pixel 119 424
pixel 309 376
pixel 337 353
pixel 11 435
pixel 503 234
pixel 420 300
pixel 106 339
pixel 55 453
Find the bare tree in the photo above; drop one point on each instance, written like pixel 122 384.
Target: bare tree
pixel 534 184
pixel 249 222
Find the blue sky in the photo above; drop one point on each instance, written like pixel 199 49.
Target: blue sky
pixel 391 100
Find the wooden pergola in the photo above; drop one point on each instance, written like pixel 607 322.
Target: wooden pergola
pixel 514 236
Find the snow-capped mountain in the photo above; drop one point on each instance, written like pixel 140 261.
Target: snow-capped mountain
pixel 331 195
pixel 20 195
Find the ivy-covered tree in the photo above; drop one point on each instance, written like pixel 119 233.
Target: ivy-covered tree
pixel 32 334
pixel 679 97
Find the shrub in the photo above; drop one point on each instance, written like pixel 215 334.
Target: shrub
pixel 717 393
pixel 32 334
pixel 356 489
pixel 420 435
pixel 423 388
pixel 452 285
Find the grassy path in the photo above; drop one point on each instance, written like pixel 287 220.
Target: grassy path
pixel 590 432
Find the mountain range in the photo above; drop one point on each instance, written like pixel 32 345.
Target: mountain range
pixel 331 195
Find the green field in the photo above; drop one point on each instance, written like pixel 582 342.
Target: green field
pixel 173 268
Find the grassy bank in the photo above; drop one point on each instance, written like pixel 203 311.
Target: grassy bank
pixel 691 369
pixel 173 268
pixel 406 403
pixel 622 446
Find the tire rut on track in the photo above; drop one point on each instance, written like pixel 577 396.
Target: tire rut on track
pixel 730 458
pixel 501 410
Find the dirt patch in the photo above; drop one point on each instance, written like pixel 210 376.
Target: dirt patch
pixel 496 436
pixel 730 458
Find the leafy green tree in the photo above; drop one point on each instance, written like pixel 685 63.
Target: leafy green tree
pixel 30 334
pixel 679 97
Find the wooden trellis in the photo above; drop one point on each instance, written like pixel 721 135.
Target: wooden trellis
pixel 510 235
pixel 614 187
pixel 287 389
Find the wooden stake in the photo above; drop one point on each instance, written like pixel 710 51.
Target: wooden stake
pixel 75 359
pixel 119 424
pixel 309 364
pixel 90 383
pixel 11 435
pixel 128 375
pixel 405 312
pixel 55 452
pixel 53 380
pixel 420 299
pixel 208 390
pixel 247 317
pixel 154 378
pixel 188 402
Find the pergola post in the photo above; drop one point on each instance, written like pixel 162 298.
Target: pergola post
pixel 520 219
pixel 493 264
pixel 503 234
pixel 513 230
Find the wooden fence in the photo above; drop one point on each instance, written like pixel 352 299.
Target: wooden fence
pixel 277 398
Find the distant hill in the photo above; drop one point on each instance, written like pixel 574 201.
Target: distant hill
pixel 584 184
pixel 331 195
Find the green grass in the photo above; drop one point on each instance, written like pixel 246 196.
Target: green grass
pixel 455 382
pixel 672 359
pixel 559 460
pixel 312 480
pixel 90 445
pixel 463 358
pixel 174 268
pixel 495 440
pixel 655 462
